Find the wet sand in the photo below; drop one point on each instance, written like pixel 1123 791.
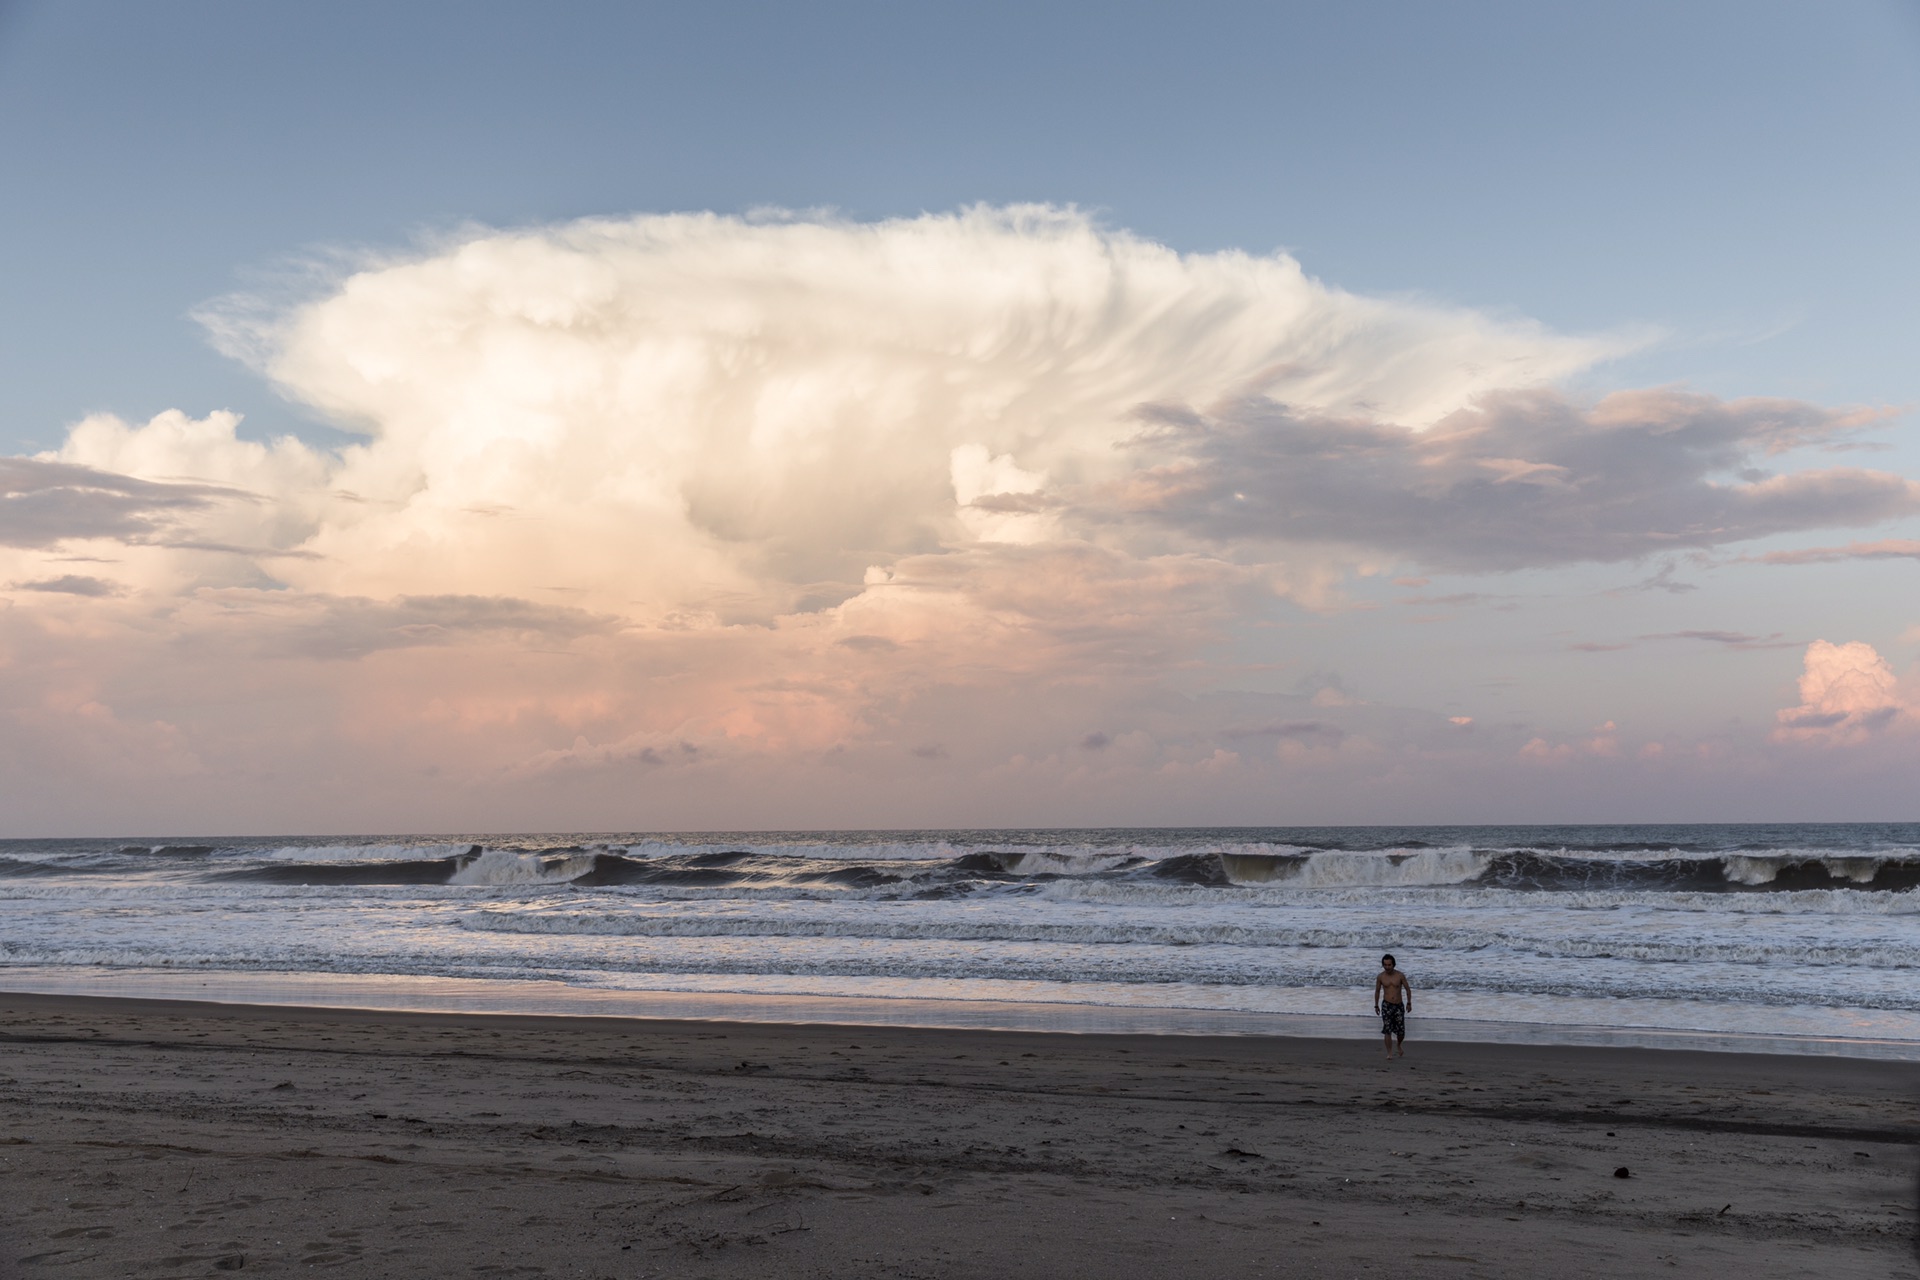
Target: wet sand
pixel 163 1138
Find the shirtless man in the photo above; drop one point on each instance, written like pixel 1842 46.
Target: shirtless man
pixel 1393 1001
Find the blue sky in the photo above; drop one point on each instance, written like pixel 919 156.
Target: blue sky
pixel 1650 198
pixel 1739 175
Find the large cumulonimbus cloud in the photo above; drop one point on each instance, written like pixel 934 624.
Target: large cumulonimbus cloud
pixel 687 417
pixel 709 416
pixel 663 489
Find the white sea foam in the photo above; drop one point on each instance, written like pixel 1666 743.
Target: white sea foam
pixel 1062 858
pixel 1774 948
pixel 1062 863
pixel 321 853
pixel 1756 869
pixel 504 867
pixel 1843 902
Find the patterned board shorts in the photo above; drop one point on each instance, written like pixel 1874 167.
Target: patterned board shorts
pixel 1393 1020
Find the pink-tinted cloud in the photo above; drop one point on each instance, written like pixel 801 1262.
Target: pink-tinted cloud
pixel 1848 694
pixel 1603 741
pixel 1886 549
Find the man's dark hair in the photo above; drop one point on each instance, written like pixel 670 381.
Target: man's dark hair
pixel 1387 959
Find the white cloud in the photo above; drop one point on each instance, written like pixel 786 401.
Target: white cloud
pixel 713 415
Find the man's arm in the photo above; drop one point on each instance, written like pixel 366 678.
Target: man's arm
pixel 1406 991
pixel 1377 984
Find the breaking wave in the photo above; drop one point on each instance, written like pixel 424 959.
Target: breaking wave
pixel 749 871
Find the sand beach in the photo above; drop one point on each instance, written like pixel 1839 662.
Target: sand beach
pixel 169 1138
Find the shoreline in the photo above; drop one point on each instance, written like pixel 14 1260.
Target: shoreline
pixel 1358 1037
pixel 498 997
pixel 173 1138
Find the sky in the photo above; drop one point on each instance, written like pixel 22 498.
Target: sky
pixel 479 417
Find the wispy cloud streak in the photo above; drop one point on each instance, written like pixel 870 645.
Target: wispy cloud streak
pixel 1887 549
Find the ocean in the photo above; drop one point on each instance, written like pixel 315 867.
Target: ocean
pixel 1713 936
